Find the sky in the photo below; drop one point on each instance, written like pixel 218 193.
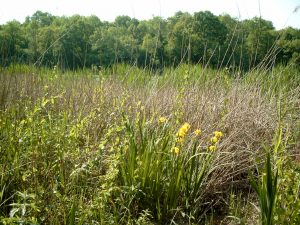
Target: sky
pixel 280 12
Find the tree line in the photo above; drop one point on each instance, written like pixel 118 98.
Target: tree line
pixel 78 41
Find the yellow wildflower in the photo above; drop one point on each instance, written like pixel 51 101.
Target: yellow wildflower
pixel 197 132
pixel 212 148
pixel 179 140
pixel 186 127
pixel 162 119
pixel 176 150
pixel 214 139
pixel 181 133
pixel 218 134
pixel 183 130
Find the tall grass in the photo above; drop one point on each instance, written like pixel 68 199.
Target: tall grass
pixel 267 192
pixel 103 146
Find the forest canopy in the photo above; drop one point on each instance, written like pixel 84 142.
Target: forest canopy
pixel 79 41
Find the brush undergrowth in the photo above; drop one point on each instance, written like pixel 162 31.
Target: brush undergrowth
pixel 124 146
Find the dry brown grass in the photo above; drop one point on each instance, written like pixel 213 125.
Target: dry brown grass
pixel 247 118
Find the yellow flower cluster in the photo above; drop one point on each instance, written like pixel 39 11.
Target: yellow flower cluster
pixel 182 132
pixel 212 148
pixel 176 150
pixel 197 132
pixel 218 134
pixel 180 135
pixel 162 119
pixel 214 140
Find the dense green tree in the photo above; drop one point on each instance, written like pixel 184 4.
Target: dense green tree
pixel 208 36
pixel 179 39
pixel 234 48
pixel 106 44
pixel 33 26
pixel 154 33
pixel 78 41
pixel 260 38
pixel 289 44
pixel 13 43
pixel 40 18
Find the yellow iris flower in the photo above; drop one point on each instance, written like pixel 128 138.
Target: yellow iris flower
pixel 197 132
pixel 212 148
pixel 162 119
pixel 218 134
pixel 175 150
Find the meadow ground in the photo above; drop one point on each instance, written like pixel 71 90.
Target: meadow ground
pixel 125 146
